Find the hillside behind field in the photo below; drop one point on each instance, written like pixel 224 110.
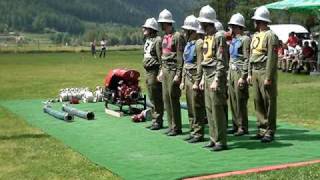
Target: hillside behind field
pixel 72 16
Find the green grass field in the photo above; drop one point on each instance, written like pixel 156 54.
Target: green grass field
pixel 28 153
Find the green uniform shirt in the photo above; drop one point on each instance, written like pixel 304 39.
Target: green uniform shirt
pixel 264 54
pixel 239 54
pixel 215 55
pixel 152 52
pixel 172 52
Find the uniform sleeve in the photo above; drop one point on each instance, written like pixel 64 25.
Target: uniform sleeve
pixel 199 51
pixel 180 43
pixel 246 55
pixel 272 57
pixel 222 61
pixel 159 49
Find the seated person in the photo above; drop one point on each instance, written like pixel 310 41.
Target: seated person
pixel 297 57
pixel 309 57
pixel 288 58
pixel 280 54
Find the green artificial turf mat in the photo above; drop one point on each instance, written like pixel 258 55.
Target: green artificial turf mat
pixel 134 152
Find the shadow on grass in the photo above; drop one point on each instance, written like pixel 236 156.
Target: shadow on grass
pixel 282 139
pixel 23 136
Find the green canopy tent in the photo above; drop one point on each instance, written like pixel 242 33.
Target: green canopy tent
pixel 281 5
pixel 302 6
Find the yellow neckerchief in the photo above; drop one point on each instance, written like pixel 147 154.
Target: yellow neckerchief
pixel 258 45
pixel 208 48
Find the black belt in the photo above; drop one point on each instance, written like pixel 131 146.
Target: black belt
pixel 153 67
pixel 259 65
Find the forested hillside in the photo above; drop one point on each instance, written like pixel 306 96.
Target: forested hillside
pixel 71 15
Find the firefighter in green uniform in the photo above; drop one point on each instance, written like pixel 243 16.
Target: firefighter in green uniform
pixel 238 72
pixel 192 57
pixel 151 64
pixel 171 71
pixel 221 32
pixel 214 67
pixel 263 75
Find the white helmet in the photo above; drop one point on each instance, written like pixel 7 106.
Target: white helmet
pixel 200 30
pixel 165 16
pixel 262 14
pixel 218 26
pixel 207 15
pixel 151 23
pixel 191 23
pixel 237 19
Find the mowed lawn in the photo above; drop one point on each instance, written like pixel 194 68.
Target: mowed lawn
pixel 28 153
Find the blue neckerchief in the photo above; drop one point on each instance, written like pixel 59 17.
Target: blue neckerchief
pixel 234 49
pixel 189 52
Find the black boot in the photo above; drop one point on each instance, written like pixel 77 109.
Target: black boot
pixel 195 140
pixel 175 132
pixel 267 139
pixel 210 145
pixel 219 148
pixel 155 127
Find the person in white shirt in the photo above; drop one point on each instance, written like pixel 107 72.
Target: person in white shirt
pixel 103 45
pixel 297 57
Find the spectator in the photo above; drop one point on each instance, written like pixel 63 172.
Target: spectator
pixel 316 55
pixel 103 45
pixel 292 40
pixel 297 57
pixel 280 54
pixel 289 56
pixel 93 48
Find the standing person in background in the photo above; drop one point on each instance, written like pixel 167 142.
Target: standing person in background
pixel 170 74
pixel 151 64
pixel 316 50
pixel 93 45
pixel 214 67
pixel 192 57
pixel 103 44
pixel 238 87
pixel 263 75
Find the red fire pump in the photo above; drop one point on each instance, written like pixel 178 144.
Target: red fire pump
pixel 122 89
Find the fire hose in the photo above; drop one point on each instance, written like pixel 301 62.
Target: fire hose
pixel 75 112
pixel 57 114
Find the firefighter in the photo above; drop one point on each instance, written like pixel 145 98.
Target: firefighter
pixel 238 87
pixel 263 75
pixel 151 64
pixel 214 67
pixel 171 71
pixel 221 32
pixel 192 57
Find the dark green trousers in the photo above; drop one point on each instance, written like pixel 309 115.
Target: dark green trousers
pixel 238 97
pixel 155 95
pixel 265 102
pixel 215 102
pixel 196 108
pixel 171 98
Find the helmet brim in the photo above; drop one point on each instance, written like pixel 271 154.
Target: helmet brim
pixel 166 21
pixel 261 19
pixel 236 24
pixel 205 20
pixel 149 27
pixel 189 28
